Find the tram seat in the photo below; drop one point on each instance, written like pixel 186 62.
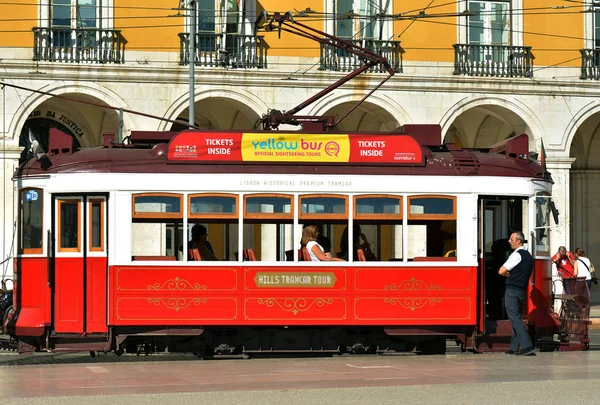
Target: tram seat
pixel 194 255
pixel 154 258
pixel 289 255
pixel 434 259
pixel 361 255
pixel 249 255
pixel 304 255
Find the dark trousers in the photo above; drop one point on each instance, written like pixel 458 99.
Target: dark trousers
pixel 513 301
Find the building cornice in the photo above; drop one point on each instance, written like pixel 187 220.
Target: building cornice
pixel 274 78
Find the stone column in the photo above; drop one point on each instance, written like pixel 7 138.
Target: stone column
pixel 9 154
pixel 559 168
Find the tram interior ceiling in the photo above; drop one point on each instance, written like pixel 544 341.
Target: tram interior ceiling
pixel 205 249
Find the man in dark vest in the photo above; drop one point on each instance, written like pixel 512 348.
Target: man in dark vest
pixel 517 269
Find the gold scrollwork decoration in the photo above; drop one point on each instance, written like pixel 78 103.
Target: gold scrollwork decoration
pixel 412 285
pixel 176 284
pixel 295 305
pixel 412 303
pixel 177 304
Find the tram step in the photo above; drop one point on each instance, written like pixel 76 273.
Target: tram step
pixel 82 347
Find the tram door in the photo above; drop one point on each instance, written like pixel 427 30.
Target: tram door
pixel 498 217
pixel 80 264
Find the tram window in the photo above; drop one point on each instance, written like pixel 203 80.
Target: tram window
pixel 268 226
pixel 213 221
pixel 157 228
pixel 378 207
pixel 218 238
pixel 69 225
pixel 430 206
pixel 157 206
pixel 542 223
pixel 269 240
pixel 96 208
pixel 211 205
pixel 268 206
pixel 378 227
pixel 323 207
pixel 30 221
pixel 431 227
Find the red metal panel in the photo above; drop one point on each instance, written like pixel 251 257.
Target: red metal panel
pixel 481 295
pixel 201 296
pixel 168 309
pixel 152 295
pixel 419 310
pixel 540 312
pixel 145 279
pixel 96 295
pixel 68 295
pixel 297 310
pixel 32 296
pixel 409 280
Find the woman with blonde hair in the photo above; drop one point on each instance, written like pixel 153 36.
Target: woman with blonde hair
pixel 310 234
pixel 584 267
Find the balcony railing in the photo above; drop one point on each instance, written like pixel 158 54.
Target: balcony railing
pixel 590 64
pixel 493 60
pixel 79 45
pixel 228 50
pixel 343 61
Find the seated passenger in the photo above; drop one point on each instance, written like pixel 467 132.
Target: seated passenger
pixel 199 242
pixel 359 242
pixel 310 234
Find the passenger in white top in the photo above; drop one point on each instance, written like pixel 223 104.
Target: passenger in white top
pixel 584 267
pixel 315 251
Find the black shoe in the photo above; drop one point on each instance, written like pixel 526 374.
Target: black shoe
pixel 528 351
pixel 509 351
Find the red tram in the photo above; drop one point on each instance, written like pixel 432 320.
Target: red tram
pixel 105 261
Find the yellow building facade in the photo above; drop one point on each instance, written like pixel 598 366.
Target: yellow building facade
pixel 483 70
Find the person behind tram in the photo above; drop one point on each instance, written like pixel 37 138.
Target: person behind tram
pixel 565 266
pixel 517 270
pixel 584 267
pixel 310 234
pixel 199 241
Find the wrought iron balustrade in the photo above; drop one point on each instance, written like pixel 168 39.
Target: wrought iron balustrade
pixel 78 45
pixel 590 64
pixel 228 50
pixel 338 60
pixel 493 60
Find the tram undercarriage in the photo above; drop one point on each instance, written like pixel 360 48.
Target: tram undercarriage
pixel 209 342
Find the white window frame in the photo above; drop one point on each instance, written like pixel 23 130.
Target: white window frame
pixel 105 9
pixel 590 27
pixel 386 33
pixel 516 21
pixel 247 17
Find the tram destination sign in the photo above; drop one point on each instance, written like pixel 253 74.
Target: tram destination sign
pixel 274 147
pixel 265 279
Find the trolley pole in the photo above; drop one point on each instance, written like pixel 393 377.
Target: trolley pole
pixel 192 60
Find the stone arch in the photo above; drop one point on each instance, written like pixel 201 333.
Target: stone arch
pixel 482 115
pixel 383 112
pixel 580 118
pixel 248 108
pixel 582 141
pixel 85 122
pixel 90 91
